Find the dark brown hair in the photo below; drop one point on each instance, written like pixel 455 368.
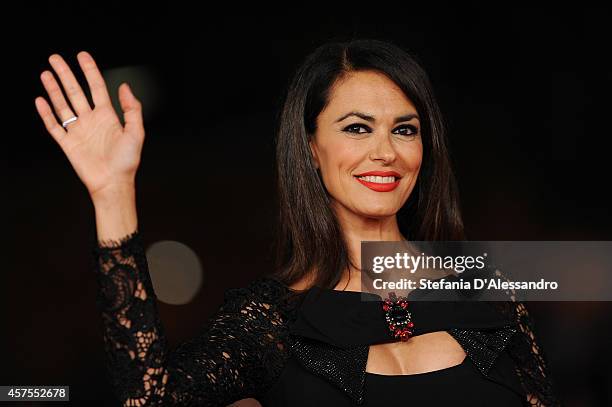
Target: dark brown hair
pixel 308 235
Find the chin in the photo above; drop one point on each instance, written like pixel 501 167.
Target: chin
pixel 377 213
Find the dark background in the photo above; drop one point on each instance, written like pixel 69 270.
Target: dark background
pixel 525 94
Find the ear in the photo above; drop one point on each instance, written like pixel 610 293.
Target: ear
pixel 315 158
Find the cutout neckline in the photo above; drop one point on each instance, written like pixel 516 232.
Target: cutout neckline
pixel 431 372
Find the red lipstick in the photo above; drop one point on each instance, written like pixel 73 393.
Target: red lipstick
pixel 380 187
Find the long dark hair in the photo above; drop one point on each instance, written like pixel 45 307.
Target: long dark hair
pixel 308 234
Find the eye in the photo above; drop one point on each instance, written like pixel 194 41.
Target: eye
pixel 412 130
pixel 352 128
pixel 405 130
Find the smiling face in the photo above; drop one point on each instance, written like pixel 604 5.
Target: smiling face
pixel 369 125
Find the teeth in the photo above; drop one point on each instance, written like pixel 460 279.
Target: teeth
pixel 377 179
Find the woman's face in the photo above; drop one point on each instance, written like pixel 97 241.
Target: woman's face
pixel 369 125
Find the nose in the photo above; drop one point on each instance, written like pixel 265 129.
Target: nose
pixel 382 148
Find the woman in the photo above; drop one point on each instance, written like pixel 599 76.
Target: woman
pixel 361 155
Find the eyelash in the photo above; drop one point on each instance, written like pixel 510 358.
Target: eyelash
pixel 413 128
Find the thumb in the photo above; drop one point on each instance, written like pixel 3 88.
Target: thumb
pixel 132 109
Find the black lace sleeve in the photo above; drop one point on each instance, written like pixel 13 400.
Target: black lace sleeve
pixel 527 354
pixel 530 361
pixel 238 353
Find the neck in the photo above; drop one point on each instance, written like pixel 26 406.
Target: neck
pixel 357 228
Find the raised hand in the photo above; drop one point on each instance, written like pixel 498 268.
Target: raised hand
pixel 104 153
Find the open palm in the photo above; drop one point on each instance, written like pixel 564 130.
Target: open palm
pixel 103 152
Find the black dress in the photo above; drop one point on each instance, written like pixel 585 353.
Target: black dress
pixel 309 349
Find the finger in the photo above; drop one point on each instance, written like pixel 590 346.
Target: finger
pixel 51 124
pixel 95 80
pixel 132 109
pixel 63 111
pixel 70 84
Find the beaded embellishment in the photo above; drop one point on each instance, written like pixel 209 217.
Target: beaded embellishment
pixel 398 317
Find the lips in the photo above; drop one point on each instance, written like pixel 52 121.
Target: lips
pixel 377 186
pixel 380 174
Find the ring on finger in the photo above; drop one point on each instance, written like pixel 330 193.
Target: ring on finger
pixel 67 122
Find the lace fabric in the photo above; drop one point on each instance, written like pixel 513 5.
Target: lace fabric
pixel 527 354
pixel 237 354
pixel 530 362
pixel 240 351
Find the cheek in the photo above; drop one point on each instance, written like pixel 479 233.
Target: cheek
pixel 341 156
pixel 412 157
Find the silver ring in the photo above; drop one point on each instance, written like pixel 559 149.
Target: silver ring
pixel 67 122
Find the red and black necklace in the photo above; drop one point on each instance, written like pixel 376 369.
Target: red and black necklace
pixel 398 317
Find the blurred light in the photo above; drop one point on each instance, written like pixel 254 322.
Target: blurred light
pixel 142 81
pixel 176 271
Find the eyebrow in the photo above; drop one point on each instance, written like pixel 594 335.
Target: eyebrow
pixel 371 118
